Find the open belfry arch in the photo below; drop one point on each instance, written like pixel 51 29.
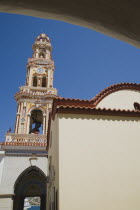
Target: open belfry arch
pixel 23 154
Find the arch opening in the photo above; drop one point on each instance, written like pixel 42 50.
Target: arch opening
pixel 36 122
pixel 44 82
pixel 41 55
pixel 31 183
pixel 35 81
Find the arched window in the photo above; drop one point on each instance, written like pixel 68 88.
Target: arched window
pixel 137 106
pixel 41 55
pixel 35 81
pixel 44 82
pixel 36 122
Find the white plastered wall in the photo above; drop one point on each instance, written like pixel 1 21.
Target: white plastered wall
pixel 99 162
pixel 53 154
pixel 121 99
pixel 14 166
pixel 6 204
pixel 2 154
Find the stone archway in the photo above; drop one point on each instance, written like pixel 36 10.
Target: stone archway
pixel 36 120
pixel 31 183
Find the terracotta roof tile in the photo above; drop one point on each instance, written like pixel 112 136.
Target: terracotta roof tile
pixel 114 88
pixel 97 111
pixel 76 102
pixel 94 101
pixel 68 104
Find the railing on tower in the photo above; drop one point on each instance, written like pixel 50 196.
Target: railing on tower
pixel 40 61
pixel 26 138
pixel 36 92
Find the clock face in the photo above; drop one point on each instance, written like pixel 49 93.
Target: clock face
pixel 40 70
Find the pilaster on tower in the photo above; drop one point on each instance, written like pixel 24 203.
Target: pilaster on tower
pixel 34 100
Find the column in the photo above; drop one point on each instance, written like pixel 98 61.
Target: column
pixel 44 124
pixel 47 118
pixel 19 106
pixel 20 117
pixel 24 117
pixel 49 77
pixel 28 123
pixel 17 123
pixel 39 81
pixel 30 77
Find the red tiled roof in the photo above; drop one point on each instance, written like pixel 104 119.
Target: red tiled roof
pixel 76 102
pixel 96 111
pixel 114 88
pixel 94 101
pixel 67 105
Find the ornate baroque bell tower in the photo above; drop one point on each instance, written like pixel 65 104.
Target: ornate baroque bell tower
pixel 34 100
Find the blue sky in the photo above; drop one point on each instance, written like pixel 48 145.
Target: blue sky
pixel 86 61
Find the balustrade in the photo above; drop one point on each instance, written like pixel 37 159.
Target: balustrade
pixel 40 61
pixel 26 138
pixel 37 93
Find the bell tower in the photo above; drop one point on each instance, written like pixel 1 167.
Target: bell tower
pixel 34 100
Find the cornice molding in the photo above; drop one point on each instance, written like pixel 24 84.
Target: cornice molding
pixel 6 196
pixel 96 111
